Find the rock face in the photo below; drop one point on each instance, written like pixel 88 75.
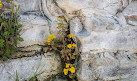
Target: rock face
pixel 43 65
pixel 35 30
pixel 107 33
pixel 106 29
pixel 108 66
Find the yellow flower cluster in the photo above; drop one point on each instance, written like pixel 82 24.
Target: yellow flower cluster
pixel 0 4
pixel 69 68
pixel 71 45
pixel 70 35
pixel 52 36
pixel 48 40
pixel 65 71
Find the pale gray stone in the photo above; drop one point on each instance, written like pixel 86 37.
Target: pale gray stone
pixel 109 40
pixel 97 66
pixel 109 55
pixel 27 67
pixel 75 26
pixel 35 30
pixel 132 22
pixel 131 9
pixel 28 5
pixel 74 5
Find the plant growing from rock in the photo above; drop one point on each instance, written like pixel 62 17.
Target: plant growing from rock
pixel 67 49
pixel 9 29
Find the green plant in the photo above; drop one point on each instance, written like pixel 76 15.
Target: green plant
pixel 17 78
pixel 9 31
pixel 119 76
pixel 67 49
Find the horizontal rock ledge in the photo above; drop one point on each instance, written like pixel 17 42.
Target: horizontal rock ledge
pixel 27 67
pixel 109 40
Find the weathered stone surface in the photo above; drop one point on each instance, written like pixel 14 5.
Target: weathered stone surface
pixel 35 30
pixel 102 30
pixel 109 40
pixel 27 67
pixel 22 54
pixel 131 9
pixel 51 10
pixel 70 7
pixel 28 5
pixel 96 66
pixel 55 66
pixel 35 48
pixel 75 26
pixel 103 27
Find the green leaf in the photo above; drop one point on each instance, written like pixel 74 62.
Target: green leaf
pixel 1 43
pixel 8 1
pixel 20 39
pixel 7 52
pixel 70 76
pixel 0 20
pixel 4 57
pixel 19 25
pixel 33 78
pixel 5 34
pixel 1 40
pixel 17 10
pixel 8 42
pixel 72 57
pixel 52 42
pixel 17 78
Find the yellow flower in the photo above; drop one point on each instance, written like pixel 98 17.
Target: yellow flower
pixel 65 71
pixel 73 45
pixel 67 65
pixel 70 35
pixel 52 36
pixel 59 25
pixel 72 70
pixel 69 46
pixel 0 4
pixel 48 40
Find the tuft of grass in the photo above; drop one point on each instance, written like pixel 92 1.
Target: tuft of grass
pixel 119 77
pixel 17 78
pixel 9 31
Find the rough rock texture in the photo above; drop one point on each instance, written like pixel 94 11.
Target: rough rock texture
pixel 29 5
pixel 106 29
pixel 107 66
pixel 43 65
pixel 35 30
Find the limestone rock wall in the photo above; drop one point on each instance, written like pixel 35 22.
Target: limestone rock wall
pixel 42 66
pixel 107 33
pixel 106 29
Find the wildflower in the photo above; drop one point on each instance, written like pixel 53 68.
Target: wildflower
pixel 48 40
pixel 52 36
pixel 67 65
pixel 59 25
pixel 65 71
pixel 69 46
pixel 73 45
pixel 70 35
pixel 0 4
pixel 72 70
